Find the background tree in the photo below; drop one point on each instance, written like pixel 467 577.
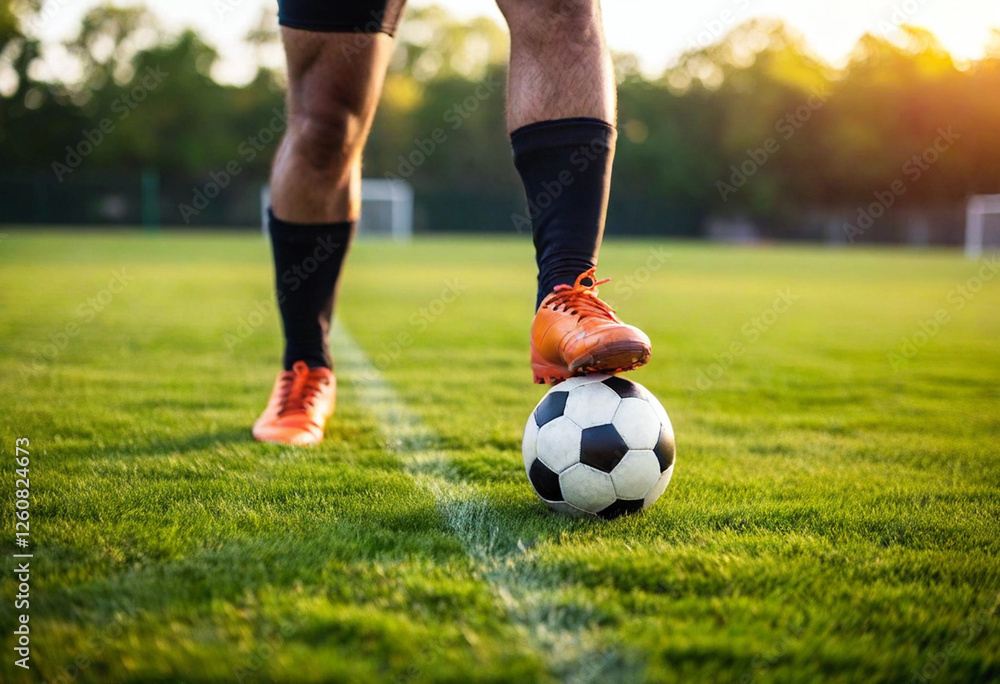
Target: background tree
pixel 835 136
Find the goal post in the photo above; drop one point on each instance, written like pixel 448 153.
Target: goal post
pixel 977 235
pixel 386 209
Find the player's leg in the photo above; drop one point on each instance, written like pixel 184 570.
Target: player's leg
pixel 561 117
pixel 337 54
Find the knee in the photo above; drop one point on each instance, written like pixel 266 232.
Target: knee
pixel 325 134
pixel 549 19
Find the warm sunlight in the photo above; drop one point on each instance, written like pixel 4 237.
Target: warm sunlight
pixel 656 32
pixel 645 341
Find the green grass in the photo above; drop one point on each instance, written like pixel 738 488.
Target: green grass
pixel 831 517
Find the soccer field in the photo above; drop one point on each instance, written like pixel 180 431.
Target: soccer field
pixel 833 514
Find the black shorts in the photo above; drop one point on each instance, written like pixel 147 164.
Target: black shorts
pixel 341 16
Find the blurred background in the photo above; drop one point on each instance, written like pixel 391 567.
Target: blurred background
pixel 739 120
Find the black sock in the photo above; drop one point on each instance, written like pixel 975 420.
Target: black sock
pixel 566 169
pixel 307 261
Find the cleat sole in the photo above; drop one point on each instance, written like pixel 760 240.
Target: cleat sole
pixel 612 359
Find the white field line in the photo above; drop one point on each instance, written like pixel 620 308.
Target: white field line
pixel 562 635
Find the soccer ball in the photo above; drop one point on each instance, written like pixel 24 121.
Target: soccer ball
pixel 599 445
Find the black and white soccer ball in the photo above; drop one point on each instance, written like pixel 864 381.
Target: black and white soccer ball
pixel 599 445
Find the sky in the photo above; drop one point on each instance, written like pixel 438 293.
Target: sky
pixel 658 31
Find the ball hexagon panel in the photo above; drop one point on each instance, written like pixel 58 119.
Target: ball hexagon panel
pixel 661 412
pixel 621 507
pixel 636 474
pixel 528 442
pixel 545 482
pixel 591 404
pixel 550 407
pixel 565 508
pixel 602 448
pixel 558 444
pixel 658 488
pixel 664 448
pixel 579 380
pixel 587 489
pixel 637 423
pixel 625 388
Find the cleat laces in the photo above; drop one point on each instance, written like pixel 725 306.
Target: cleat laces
pixel 299 389
pixel 581 298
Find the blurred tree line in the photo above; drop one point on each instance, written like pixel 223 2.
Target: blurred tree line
pixel 751 130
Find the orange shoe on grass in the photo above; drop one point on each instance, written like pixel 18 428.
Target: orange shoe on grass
pixel 575 333
pixel 301 402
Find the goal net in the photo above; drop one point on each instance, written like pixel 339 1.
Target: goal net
pixel 982 225
pixel 386 209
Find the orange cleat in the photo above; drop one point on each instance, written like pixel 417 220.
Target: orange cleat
pixel 575 333
pixel 301 402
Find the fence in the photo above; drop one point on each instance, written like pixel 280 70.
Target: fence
pixel 144 198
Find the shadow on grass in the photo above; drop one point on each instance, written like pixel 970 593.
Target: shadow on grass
pixel 327 558
pixel 165 444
